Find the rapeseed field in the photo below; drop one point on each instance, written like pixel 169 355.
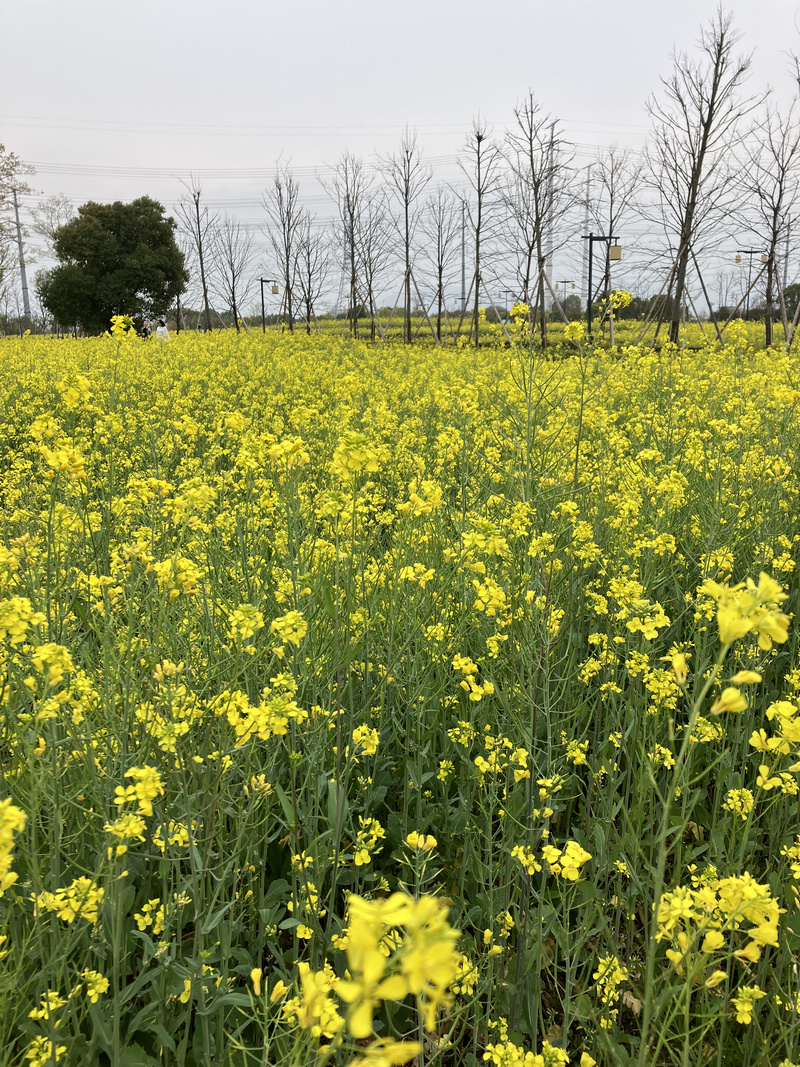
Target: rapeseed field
pixel 379 705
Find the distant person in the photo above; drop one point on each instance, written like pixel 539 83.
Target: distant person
pixel 162 333
pixel 145 328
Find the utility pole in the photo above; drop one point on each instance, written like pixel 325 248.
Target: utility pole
pixel 26 304
pixel 463 255
pixel 591 238
pixel 274 284
pixel 749 252
pixel 584 284
pixel 565 282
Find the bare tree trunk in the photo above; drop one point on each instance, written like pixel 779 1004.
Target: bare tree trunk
pixel 233 252
pixel 440 227
pixel 348 189
pixel 771 179
pixel 484 155
pixel 281 203
pixel 408 177
pixel 695 129
pixel 199 226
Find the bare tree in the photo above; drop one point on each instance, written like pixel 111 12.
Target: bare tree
pixel 440 225
pixel 349 189
pixel 537 195
pixel 374 250
pixel 284 213
pixel 618 176
pixel 695 127
pixel 727 281
pixel 198 225
pixel 7 266
pixel 311 264
pixel 481 171
pixel 407 177
pixel 233 255
pixel 12 173
pixel 51 215
pixel 772 177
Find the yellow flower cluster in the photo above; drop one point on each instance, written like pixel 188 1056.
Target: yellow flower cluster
pixel 12 820
pixel 354 453
pixel 126 828
pixel 17 616
pixel 291 627
pixel 786 740
pixel 315 1009
pixel 365 738
pixel 422 961
pixel 501 755
pixel 505 1053
pixel 527 858
pixel 609 976
pixel 291 453
pixel 745 1001
pixel 749 608
pixel 152 914
pixel 739 801
pixel 244 621
pixel 708 920
pixel 367 843
pixel 566 862
pixel 422 842
pixel 64 459
pixel 469 683
pixel 148 785
pixel 82 898
pixel 268 719
pixel 44 1051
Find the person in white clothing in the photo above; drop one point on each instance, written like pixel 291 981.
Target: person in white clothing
pixel 162 333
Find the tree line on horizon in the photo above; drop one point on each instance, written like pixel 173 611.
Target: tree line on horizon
pixel 719 163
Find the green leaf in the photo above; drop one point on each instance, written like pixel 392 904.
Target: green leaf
pixel 288 810
pixel 276 892
pixel 327 600
pixel 165 1039
pixel 134 1057
pixel 214 920
pixel 338 807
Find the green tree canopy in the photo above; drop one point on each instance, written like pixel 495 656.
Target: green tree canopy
pixel 114 259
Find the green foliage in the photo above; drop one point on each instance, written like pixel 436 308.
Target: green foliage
pixel 114 259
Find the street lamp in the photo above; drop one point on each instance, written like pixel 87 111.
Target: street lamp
pixel 565 282
pixel 749 252
pixel 614 253
pixel 275 291
pixel 506 292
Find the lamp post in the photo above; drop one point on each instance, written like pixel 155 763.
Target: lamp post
pixel 749 252
pixel 509 293
pixel 614 252
pixel 565 282
pixel 275 291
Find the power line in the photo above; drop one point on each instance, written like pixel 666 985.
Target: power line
pixel 191 128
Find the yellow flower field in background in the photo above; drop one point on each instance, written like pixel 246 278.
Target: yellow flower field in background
pixel 368 706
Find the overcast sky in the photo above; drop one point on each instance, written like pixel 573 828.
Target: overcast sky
pixel 116 99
